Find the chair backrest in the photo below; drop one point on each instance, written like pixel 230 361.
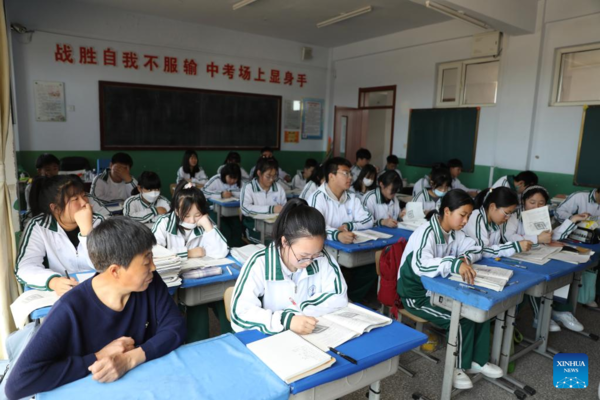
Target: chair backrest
pixel 377 258
pixel 227 300
pixel 74 164
pixel 172 187
pixel 102 164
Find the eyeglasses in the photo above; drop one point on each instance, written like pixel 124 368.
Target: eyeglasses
pixel 271 177
pixel 347 174
pixel 507 215
pixel 305 260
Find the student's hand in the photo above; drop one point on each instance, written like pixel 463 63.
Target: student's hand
pixel 111 368
pixel 545 237
pixel 62 285
pixel 161 210
pixel 117 346
pixel 277 209
pixel 205 223
pixel 525 245
pixel 122 172
pixel 226 194
pixel 83 219
pixel 343 228
pixel 390 223
pixel 303 325
pixel 196 252
pixel 467 273
pixel 287 178
pixel 579 217
pixel 346 237
pixel 556 244
pixel 403 213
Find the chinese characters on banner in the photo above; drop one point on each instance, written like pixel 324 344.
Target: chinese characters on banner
pixel 65 53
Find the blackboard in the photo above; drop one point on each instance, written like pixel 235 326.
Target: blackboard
pixel 134 116
pixel 440 134
pixel 587 167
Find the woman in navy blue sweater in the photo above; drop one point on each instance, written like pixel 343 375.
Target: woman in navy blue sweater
pixel 107 325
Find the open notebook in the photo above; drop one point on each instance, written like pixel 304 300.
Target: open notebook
pixel 290 357
pixel 493 278
pixel 368 235
pixel 344 324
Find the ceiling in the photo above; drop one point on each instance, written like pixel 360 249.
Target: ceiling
pixel 290 19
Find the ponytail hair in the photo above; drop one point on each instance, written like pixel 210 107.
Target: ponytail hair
pixel 298 220
pixel 453 200
pixel 500 196
pixel 55 190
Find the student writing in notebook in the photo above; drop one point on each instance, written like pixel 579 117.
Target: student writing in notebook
pixel 233 157
pixel 535 197
pixel 292 282
pixel 107 325
pixel 439 248
pixel 55 239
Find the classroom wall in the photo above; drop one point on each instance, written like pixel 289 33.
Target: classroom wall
pixel 522 131
pixel 79 24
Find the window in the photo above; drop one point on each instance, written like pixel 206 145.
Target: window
pixel 576 76
pixel 468 83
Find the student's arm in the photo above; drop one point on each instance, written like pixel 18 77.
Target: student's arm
pixel 468 248
pixel 567 208
pixel 43 364
pixel 142 215
pixel 565 229
pixel 179 175
pixel 305 192
pixel 247 203
pixel 475 228
pixel 214 244
pixel 425 263
pixel 512 231
pixel 98 189
pixel 29 268
pixel 333 294
pixel 362 219
pixel 369 203
pixel 160 230
pixel 457 184
pixel 317 200
pixel 212 187
pixel 170 325
pixel 246 307
pixel 200 177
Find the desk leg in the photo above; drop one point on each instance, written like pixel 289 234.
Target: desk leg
pixel 574 290
pixel 507 339
pixel 218 211
pixel 497 342
pixel 451 350
pixel 375 390
pixel 543 328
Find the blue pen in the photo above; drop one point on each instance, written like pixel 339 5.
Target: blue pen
pixel 513 283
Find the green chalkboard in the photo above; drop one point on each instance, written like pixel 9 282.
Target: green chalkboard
pixel 440 134
pixel 587 167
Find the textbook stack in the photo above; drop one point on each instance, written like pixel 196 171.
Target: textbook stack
pixel 493 278
pixel 168 265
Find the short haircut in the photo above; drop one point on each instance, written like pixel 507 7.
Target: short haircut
pixel 147 180
pixel 233 170
pixel 500 196
pixel 363 153
pixel 298 220
pixel 264 164
pixel 46 159
pixel 392 159
pixel 122 158
pixel 331 166
pixel 233 156
pixel 455 163
pixel 118 240
pixel 528 177
pixel 440 176
pixel 310 163
pixel 391 178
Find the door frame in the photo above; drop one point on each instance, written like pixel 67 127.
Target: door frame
pixel 362 96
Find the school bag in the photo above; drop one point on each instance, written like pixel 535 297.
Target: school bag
pixel 389 263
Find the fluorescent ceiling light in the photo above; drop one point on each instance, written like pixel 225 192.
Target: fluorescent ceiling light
pixel 345 16
pixel 456 14
pixel 242 4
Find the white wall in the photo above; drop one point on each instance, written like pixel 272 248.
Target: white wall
pixel 87 25
pixel 522 130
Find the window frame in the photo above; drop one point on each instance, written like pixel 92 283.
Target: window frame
pixel 557 75
pixel 462 74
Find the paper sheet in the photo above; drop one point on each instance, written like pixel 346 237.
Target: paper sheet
pixel 368 234
pixel 203 262
pixel 414 212
pixel 30 301
pixel 536 221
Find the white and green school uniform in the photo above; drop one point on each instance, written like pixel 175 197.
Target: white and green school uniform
pixel 298 181
pixel 45 241
pixel 384 170
pixel 137 209
pixel 490 236
pixel 98 206
pixel 578 203
pixel 514 230
pixel 168 235
pixel 506 181
pixel 215 186
pixel 376 204
pixel 280 173
pixel 432 252
pixel 199 177
pixel 421 184
pixel 359 195
pixel 347 210
pixel 355 171
pixel 429 202
pixel 245 176
pixel 308 190
pixel 255 200
pixel 457 184
pixel 267 295
pixel 105 190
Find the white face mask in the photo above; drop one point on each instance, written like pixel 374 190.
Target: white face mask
pixel 150 196
pixel 187 225
pixel 368 182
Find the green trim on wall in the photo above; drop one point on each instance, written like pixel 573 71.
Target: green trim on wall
pixel 166 163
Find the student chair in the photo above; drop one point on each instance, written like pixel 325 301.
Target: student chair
pixel 227 300
pixel 102 164
pixel 419 324
pixel 172 186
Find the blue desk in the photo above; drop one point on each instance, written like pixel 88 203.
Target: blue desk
pixel 206 290
pixel 218 368
pixel 225 209
pixel 359 254
pixel 376 352
pixel 478 307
